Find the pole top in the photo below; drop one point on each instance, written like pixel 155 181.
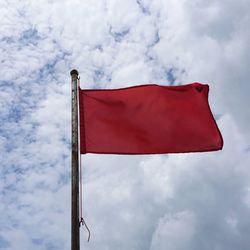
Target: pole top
pixel 74 72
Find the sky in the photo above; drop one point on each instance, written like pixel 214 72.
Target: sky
pixel 193 201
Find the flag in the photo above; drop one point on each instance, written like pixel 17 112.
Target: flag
pixel 147 119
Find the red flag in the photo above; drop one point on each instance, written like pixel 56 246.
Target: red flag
pixel 147 119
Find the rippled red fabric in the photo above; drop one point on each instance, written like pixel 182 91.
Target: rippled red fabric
pixel 147 119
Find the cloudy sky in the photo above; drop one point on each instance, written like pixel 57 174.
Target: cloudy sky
pixel 195 201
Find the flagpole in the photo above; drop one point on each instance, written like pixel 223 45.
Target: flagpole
pixel 75 232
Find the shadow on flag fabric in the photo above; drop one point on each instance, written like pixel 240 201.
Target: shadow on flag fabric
pixel 147 119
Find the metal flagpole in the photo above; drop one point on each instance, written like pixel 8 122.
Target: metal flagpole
pixel 75 232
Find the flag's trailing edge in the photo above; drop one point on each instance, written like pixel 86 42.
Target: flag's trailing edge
pixel 147 119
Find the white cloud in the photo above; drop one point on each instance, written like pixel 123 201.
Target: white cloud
pixel 179 201
pixel 174 231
